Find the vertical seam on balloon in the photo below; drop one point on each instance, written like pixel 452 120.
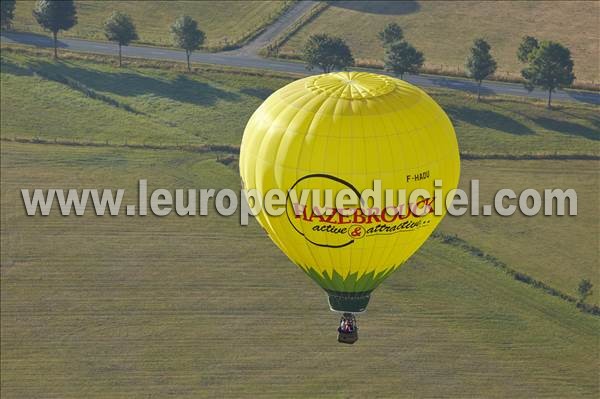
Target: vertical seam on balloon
pixel 406 133
pixel 388 139
pixel 410 137
pixel 336 102
pixel 297 110
pixel 306 243
pixel 279 242
pixel 425 130
pixel 395 133
pixel 361 246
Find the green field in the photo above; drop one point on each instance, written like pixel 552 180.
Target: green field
pixel 131 306
pixel 169 107
pixel 445 30
pixel 224 22
pixel 172 107
pixel 558 250
pixel 174 306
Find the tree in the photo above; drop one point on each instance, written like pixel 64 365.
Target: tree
pixel 401 58
pixel 327 52
pixel 549 67
pixel 7 13
pixel 55 15
pixel 585 289
pixel 120 28
pixel 392 33
pixel 528 44
pixel 480 63
pixel 187 36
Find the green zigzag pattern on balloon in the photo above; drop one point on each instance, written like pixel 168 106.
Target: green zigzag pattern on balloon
pixel 350 283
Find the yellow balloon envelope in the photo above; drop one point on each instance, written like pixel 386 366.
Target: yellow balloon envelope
pixel 341 132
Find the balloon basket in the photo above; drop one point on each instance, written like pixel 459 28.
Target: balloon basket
pixel 348 329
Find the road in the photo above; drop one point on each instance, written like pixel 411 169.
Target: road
pixel 239 58
pixel 275 29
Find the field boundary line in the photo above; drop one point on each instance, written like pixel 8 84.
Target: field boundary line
pixel 469 156
pixel 455 241
pixel 235 149
pixel 200 148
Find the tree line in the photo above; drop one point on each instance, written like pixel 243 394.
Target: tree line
pixel 61 15
pixel 547 64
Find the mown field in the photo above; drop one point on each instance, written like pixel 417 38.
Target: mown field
pixel 175 306
pixel 560 250
pixel 445 30
pixel 224 22
pixel 166 106
pixel 132 306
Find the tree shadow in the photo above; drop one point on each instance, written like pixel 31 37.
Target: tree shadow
pixel 488 119
pixel 7 66
pixel 379 7
pixel 132 84
pixel 258 92
pixel 584 97
pixel 561 126
pixel 33 39
pixel 568 128
pixel 461 84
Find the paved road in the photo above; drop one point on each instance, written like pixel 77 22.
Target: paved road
pixel 238 59
pixel 275 29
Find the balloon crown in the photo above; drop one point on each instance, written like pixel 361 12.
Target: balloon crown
pixel 353 85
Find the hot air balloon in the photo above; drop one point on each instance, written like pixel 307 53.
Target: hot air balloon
pixel 341 132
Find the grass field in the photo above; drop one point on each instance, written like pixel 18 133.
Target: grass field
pixel 130 306
pixel 558 250
pixel 224 22
pixel 175 306
pixel 444 30
pixel 168 107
